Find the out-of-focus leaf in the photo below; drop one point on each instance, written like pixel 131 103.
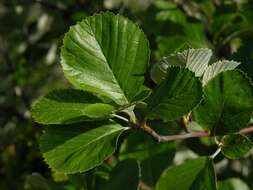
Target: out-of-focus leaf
pixel 176 16
pixel 36 181
pixel 232 184
pixel 164 5
pixel 124 176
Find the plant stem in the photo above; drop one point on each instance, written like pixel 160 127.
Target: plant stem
pixel 165 138
pixel 144 186
pixel 120 117
pixel 247 130
pixel 216 153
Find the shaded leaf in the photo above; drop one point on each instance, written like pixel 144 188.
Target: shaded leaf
pixel 153 157
pixel 143 94
pixel 69 106
pixel 36 181
pixel 106 54
pixel 195 174
pixel 80 147
pixel 177 95
pixel 164 5
pixel 124 176
pixel 176 16
pixel 228 103
pixel 235 146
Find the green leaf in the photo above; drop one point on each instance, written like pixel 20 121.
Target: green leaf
pixel 176 16
pixel 106 54
pixel 177 95
pixel 218 67
pixel 164 5
pixel 69 106
pixel 232 184
pixel 143 94
pixel 228 103
pixel 153 157
pixel 125 176
pixel 196 60
pixel 235 146
pixel 80 147
pixel 195 174
pixel 36 181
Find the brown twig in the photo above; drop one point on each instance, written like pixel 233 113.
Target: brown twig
pixel 165 138
pixel 249 129
pixel 144 186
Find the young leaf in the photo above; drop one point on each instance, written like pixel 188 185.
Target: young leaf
pixel 235 146
pixel 195 174
pixel 218 67
pixel 69 106
pixel 80 147
pixel 125 176
pixel 228 103
pixel 106 54
pixel 196 60
pixel 178 94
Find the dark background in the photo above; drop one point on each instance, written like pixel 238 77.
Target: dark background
pixel 31 35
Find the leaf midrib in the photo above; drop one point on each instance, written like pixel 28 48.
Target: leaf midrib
pixel 105 59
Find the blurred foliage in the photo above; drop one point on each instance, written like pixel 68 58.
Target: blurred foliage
pixel 31 34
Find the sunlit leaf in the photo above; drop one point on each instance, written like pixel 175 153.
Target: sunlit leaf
pixel 106 54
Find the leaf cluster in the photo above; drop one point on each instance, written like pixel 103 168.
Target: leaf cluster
pixel 106 58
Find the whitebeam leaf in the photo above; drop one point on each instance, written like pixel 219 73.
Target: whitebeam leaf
pixel 177 95
pixel 197 174
pixel 227 104
pixel 235 146
pixel 69 106
pixel 106 54
pixel 80 147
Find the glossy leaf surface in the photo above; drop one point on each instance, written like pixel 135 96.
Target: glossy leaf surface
pixel 106 54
